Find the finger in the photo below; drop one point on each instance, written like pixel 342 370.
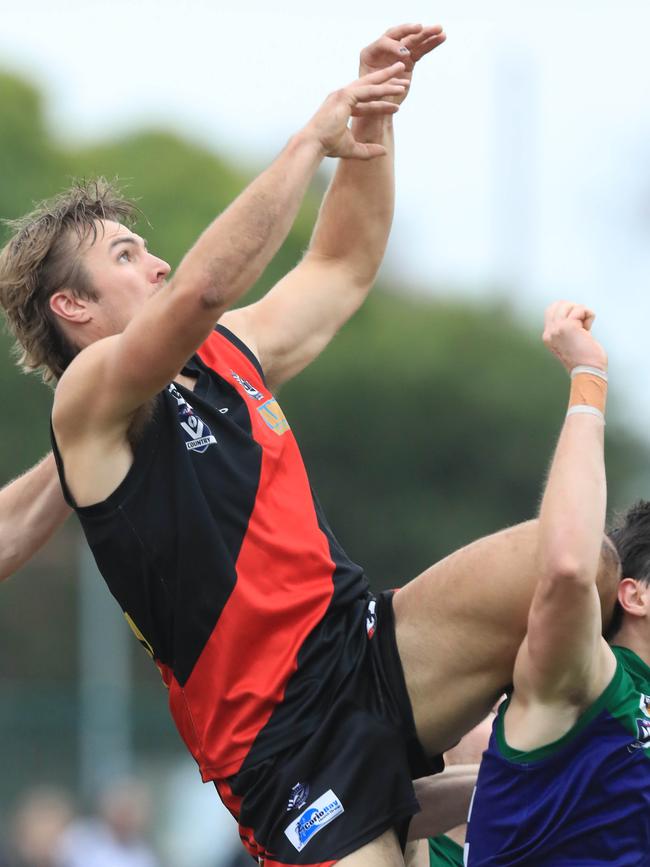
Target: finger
pixel 362 151
pixel 394 82
pixel 563 310
pixel 384 48
pixel 584 315
pixel 432 42
pixel 380 75
pixel 364 109
pixel 371 92
pixel 552 314
pixel 423 35
pixel 551 310
pixel 578 311
pixel 426 34
pixel 402 30
pixel 420 50
pixel 392 46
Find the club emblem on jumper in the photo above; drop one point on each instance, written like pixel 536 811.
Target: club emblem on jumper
pixel 643 736
pixel 274 417
pixel 198 435
pixel 299 797
pixel 371 618
pixel 248 388
pixel 312 820
pixel 644 704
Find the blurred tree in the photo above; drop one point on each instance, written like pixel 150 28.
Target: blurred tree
pixel 31 162
pixel 32 169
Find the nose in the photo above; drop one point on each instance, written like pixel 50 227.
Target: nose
pixel 160 269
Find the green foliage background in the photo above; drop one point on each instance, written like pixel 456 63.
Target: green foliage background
pixel 428 423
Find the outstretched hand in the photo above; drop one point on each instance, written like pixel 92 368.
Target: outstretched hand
pixel 567 333
pixel 369 96
pixel 406 42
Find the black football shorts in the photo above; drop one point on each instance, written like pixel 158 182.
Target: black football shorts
pixel 351 779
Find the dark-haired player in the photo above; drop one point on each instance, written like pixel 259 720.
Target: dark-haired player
pixel 566 778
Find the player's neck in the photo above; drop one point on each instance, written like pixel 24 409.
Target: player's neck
pixel 635 636
pixel 186 381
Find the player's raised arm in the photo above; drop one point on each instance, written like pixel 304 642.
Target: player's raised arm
pixel 290 326
pixel 31 509
pixel 151 340
pixel 564 660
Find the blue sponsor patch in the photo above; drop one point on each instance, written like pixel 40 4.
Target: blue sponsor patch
pixel 312 820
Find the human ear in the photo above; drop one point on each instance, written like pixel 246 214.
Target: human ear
pixel 69 306
pixel 634 597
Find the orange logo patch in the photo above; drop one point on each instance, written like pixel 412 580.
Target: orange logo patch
pixel 274 417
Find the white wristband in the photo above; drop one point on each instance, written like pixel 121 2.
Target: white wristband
pixel 585 368
pixel 586 409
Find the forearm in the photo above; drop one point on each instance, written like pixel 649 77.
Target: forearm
pixel 572 515
pixel 356 215
pixel 444 799
pixel 31 509
pixel 561 660
pixel 562 657
pixel 235 249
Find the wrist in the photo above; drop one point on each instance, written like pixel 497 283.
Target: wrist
pixel 307 142
pixel 588 391
pixel 378 130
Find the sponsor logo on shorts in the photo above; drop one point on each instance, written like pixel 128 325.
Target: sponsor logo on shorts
pixel 198 435
pixel 248 388
pixel 371 618
pixel 299 797
pixel 643 736
pixel 312 820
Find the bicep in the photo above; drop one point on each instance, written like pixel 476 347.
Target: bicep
pixel 561 656
pixel 291 325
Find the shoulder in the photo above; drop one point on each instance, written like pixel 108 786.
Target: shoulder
pixel 578 687
pixel 225 348
pixel 528 721
pixel 240 324
pixel 80 386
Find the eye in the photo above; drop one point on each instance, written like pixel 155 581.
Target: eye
pixel 124 256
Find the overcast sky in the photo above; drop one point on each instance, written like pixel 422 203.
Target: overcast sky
pixel 522 149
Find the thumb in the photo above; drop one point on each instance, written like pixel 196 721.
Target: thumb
pixel 367 151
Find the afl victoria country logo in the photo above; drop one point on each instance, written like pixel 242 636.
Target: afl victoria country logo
pixel 198 435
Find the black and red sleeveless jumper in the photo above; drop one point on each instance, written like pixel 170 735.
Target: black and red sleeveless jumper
pixel 219 555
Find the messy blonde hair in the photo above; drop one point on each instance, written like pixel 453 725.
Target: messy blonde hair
pixel 43 256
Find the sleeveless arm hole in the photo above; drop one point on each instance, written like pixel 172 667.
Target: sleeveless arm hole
pixel 67 496
pixel 241 346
